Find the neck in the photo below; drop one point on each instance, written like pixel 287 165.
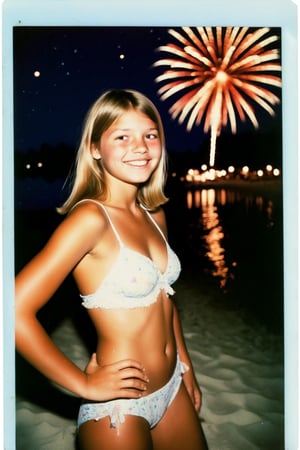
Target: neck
pixel 121 195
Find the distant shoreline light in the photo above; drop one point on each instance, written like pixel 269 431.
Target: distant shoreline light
pixel 196 177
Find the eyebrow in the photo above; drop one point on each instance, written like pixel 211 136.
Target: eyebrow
pixel 129 129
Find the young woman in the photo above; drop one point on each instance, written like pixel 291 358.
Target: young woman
pixel 114 241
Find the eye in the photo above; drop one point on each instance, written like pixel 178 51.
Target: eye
pixel 122 137
pixel 152 136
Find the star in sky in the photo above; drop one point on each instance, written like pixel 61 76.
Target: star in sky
pixel 67 68
pixel 75 65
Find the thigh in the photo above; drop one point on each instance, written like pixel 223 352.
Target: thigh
pixel 134 434
pixel 180 427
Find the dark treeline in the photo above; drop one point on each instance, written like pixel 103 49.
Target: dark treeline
pixel 48 162
pixel 255 149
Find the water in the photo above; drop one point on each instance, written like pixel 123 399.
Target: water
pixel 233 239
pixel 229 238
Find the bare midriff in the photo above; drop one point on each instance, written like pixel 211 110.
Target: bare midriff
pixel 143 334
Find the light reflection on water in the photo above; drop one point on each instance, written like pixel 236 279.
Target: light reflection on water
pixel 208 201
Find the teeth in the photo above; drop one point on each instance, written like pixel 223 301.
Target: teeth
pixel 137 163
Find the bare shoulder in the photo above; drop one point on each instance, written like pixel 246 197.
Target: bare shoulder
pixel 84 225
pixel 90 215
pixel 88 212
pixel 75 237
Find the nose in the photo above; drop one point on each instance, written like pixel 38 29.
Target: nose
pixel 140 145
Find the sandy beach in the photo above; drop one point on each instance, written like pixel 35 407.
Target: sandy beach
pixel 239 366
pixel 238 358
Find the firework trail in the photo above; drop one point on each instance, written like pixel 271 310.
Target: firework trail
pixel 220 74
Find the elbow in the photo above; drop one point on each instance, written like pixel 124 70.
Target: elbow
pixel 24 326
pixel 20 329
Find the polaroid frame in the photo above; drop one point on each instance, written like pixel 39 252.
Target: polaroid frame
pixel 276 13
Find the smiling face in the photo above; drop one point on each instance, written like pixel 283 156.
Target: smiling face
pixel 130 149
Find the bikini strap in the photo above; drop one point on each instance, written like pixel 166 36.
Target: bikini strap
pixel 154 221
pixel 107 216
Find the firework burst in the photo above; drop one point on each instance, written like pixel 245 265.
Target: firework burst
pixel 219 75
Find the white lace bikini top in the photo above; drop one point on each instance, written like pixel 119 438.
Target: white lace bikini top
pixel 134 280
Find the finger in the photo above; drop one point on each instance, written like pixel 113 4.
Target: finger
pixel 134 373
pixel 129 363
pixel 93 359
pixel 197 401
pixel 92 364
pixel 132 383
pixel 193 397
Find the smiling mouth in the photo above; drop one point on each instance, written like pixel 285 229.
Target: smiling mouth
pixel 138 163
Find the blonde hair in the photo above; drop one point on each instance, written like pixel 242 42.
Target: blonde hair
pixel 88 175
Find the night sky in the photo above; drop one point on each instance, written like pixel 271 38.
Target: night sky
pixel 60 71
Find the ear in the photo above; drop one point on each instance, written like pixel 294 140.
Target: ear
pixel 95 152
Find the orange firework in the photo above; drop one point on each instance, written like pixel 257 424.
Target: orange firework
pixel 222 72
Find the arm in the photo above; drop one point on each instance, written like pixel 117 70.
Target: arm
pixel 189 377
pixel 35 285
